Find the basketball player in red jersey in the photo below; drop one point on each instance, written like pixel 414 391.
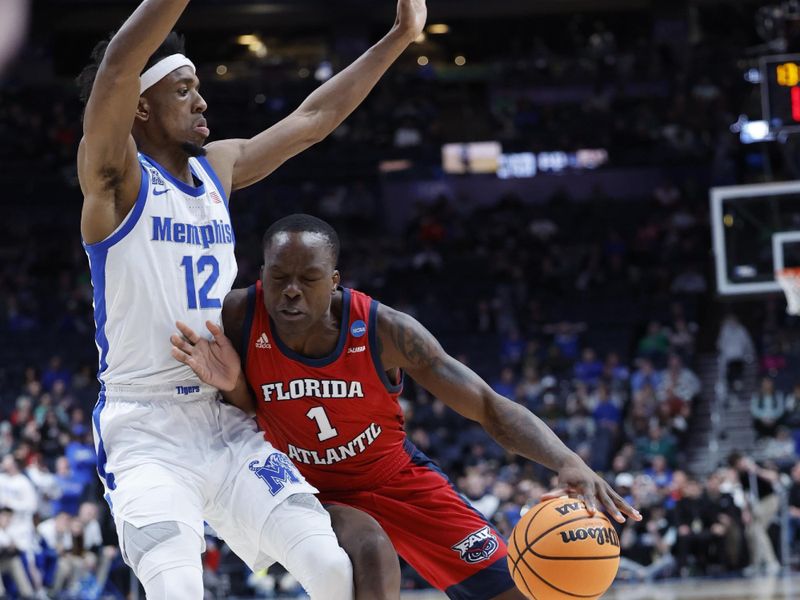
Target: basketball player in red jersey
pixel 326 363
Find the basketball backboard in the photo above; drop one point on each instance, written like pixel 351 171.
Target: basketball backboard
pixel 756 230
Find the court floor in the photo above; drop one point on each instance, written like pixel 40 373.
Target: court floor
pixel 692 589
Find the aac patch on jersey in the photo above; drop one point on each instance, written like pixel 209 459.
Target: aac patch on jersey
pixel 477 546
pixel 358 328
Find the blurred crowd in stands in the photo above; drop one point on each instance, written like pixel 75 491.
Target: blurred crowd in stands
pixel 592 314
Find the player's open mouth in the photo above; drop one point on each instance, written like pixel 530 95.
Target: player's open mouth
pixel 290 313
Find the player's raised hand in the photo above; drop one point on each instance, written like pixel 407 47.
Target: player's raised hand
pixel 411 17
pixel 215 362
pixel 579 480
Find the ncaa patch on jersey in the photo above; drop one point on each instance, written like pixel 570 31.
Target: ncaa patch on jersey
pixel 477 546
pixel 358 328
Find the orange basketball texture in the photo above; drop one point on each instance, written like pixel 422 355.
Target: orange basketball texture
pixel 559 552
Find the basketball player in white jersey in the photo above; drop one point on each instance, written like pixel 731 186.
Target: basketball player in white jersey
pixel 158 234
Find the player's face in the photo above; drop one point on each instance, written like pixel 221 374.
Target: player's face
pixel 299 278
pixel 176 108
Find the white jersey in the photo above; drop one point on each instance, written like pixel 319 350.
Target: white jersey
pixel 171 259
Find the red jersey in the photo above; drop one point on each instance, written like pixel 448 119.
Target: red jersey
pixel 336 417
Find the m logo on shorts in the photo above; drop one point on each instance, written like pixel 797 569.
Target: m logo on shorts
pixel 276 472
pixel 477 546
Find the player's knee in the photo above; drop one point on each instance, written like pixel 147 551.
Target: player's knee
pixel 169 548
pixel 374 550
pixel 375 564
pixel 177 582
pixel 323 568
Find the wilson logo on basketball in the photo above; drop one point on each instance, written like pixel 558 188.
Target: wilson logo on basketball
pixel 477 546
pixel 601 535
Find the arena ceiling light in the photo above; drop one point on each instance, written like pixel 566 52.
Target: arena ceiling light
pixel 438 28
pixel 248 39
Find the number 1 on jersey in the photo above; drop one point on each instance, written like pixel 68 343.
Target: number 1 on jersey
pixel 191 294
pixel 326 431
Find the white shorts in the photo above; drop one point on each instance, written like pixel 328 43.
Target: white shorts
pixel 176 453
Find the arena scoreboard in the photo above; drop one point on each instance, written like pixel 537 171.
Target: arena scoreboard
pixel 780 91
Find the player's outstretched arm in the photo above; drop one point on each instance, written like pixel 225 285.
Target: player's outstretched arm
pixel 406 344
pixel 107 164
pixel 323 111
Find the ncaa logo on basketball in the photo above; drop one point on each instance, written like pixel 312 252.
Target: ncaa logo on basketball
pixel 358 329
pixel 477 546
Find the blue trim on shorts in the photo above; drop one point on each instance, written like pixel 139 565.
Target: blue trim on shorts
pixel 494 578
pixel 107 477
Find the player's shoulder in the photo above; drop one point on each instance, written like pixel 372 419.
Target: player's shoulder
pixel 235 308
pixel 235 303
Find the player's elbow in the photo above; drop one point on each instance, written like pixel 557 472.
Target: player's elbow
pixel 316 125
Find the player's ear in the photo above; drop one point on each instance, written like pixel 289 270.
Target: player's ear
pixel 143 109
pixel 336 279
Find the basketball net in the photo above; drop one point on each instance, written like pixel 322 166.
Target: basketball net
pixel 789 280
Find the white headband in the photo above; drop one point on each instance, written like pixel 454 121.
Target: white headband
pixel 161 69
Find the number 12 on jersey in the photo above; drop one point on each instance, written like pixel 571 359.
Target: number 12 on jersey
pixel 326 430
pixel 192 296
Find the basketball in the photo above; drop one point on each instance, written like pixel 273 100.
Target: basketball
pixel 558 551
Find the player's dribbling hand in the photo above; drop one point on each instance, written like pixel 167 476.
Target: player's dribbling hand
pixel 580 481
pixel 215 362
pixel 411 17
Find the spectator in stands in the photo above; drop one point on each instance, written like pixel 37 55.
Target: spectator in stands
pixel 735 348
pixel 11 563
pixel 727 523
pixel 767 407
pixel 655 343
pixel 693 518
pixel 46 484
pixel 71 487
pixel 659 472
pixel 678 387
pixel 762 505
pixel 645 374
pixel 512 348
pixel 657 443
pixel 589 368
pixel 81 455
pixel 56 541
pixel 55 371
pixel 530 388
pixel 794 507
pixel 681 339
pixel 505 385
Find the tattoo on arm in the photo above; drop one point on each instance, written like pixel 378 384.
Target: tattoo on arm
pixel 418 351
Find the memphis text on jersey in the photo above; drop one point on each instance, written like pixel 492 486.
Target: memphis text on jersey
pixel 323 389
pixel 216 232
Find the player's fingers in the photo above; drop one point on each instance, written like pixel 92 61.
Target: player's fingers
pixel 626 508
pixel 180 356
pixel 589 499
pixel 555 494
pixel 180 343
pixel 187 332
pixel 610 505
pixel 215 329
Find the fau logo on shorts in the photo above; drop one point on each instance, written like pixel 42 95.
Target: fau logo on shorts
pixel 477 546
pixel 276 472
